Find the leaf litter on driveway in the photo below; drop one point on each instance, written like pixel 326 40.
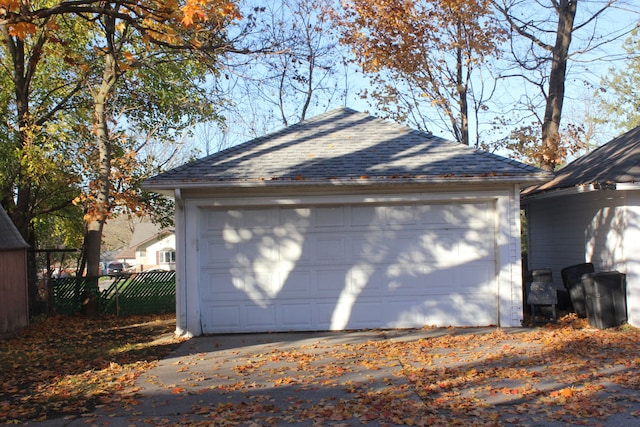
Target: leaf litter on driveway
pixel 564 373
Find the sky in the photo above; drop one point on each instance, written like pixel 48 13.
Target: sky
pixel 256 111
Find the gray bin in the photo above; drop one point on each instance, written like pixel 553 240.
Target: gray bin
pixel 605 298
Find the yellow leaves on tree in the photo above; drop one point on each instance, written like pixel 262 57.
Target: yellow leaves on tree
pixel 123 192
pixel 396 33
pixel 22 29
pixel 158 21
pixel 421 54
pixel 203 10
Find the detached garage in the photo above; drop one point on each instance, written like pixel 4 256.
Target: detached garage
pixel 346 221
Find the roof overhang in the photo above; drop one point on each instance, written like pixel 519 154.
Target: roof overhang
pixel 170 188
pixel 580 189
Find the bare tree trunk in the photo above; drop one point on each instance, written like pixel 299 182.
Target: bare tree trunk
pixel 463 92
pixel 566 10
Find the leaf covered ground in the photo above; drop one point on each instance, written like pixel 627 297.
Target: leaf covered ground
pixel 66 365
pixel 564 373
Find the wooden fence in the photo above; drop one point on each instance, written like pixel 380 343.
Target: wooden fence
pixel 137 293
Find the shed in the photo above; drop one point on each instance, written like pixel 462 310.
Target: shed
pixel 347 221
pixel 590 212
pixel 14 297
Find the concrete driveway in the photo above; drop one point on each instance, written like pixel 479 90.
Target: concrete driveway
pixel 453 376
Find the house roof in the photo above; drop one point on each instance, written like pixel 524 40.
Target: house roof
pixel 10 237
pixel 145 232
pixel 344 146
pixel 616 162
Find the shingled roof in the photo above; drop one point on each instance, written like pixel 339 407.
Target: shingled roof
pixel 10 238
pixel 616 162
pixel 345 146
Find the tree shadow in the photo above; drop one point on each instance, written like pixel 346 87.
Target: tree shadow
pixel 430 377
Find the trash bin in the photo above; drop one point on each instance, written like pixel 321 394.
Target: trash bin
pixel 572 279
pixel 605 298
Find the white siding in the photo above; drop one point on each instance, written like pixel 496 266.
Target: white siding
pixel 577 228
pixel 511 272
pixel 632 257
pixel 601 227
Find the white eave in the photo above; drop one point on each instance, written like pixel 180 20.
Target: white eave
pixel 581 189
pixel 168 187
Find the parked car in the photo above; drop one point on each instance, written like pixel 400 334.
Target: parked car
pixel 118 267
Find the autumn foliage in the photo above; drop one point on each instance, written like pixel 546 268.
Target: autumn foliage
pixel 433 47
pixel 67 365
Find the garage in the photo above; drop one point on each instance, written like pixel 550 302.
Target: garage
pixel 347 267
pixel 346 221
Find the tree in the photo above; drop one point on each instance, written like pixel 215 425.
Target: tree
pixel 619 93
pixel 123 50
pixel 113 30
pixel 37 172
pixel 302 73
pixel 542 43
pixel 34 124
pixel 424 56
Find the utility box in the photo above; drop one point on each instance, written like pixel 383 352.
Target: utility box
pixel 605 298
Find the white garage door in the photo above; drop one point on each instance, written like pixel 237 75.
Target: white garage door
pixel 347 267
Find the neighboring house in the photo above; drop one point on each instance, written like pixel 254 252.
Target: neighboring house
pixel 126 256
pixel 590 212
pixel 347 221
pixel 14 298
pixel 153 247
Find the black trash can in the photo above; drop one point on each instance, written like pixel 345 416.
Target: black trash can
pixel 572 279
pixel 605 298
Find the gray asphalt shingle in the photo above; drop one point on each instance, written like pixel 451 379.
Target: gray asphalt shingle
pixel 617 161
pixel 344 144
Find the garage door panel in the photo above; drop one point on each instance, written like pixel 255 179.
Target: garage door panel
pixel 221 219
pixel 296 315
pixel 364 314
pixel 477 278
pixel 258 220
pixel 216 251
pixel 324 310
pixel 330 281
pixel 349 266
pixel 403 314
pixel 329 248
pixel 294 284
pixel 329 217
pixel 396 216
pixel 459 214
pixel 222 317
pixel 365 280
pixel 366 216
pixel 295 219
pixel 223 286
pixel 260 317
